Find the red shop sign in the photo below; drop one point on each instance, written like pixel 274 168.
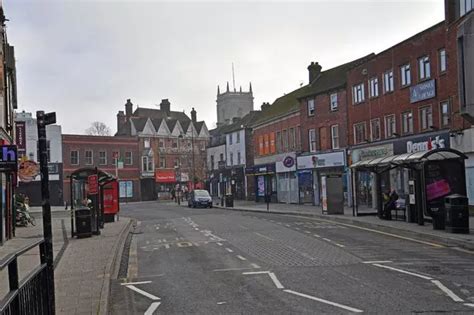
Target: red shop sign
pixel 165 176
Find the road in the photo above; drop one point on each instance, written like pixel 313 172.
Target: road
pixel 213 261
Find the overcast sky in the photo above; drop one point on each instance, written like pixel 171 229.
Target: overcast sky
pixel 83 59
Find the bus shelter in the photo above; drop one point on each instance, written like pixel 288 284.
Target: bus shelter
pixel 433 175
pixel 87 191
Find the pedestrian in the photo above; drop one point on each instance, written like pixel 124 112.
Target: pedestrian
pixel 390 204
pixel 173 194
pixel 186 192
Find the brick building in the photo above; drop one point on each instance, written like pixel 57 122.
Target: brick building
pixel 80 151
pixel 172 147
pixel 323 108
pixel 277 141
pixel 403 99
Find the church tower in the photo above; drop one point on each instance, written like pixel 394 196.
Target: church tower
pixel 233 104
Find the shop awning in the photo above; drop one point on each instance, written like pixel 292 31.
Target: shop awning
pixel 407 159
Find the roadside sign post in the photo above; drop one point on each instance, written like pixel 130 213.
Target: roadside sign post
pixel 42 121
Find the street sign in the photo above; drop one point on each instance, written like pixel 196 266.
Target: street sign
pixel 93 182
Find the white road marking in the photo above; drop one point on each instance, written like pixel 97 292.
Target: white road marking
pixel 327 239
pixel 133 283
pixel 376 231
pixel 220 244
pixel 255 272
pixel 309 232
pixel 404 271
pixel 152 308
pixel 276 281
pixel 144 293
pixel 220 303
pixel 264 236
pixel 448 292
pixel 469 304
pixel 241 257
pixel 351 309
pixel 167 246
pixel 255 266
pixel 230 269
pixel 229 250
pixel 184 244
pixel 340 245
pixel 316 235
pixel 377 262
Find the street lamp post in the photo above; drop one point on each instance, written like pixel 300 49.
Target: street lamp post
pixel 192 147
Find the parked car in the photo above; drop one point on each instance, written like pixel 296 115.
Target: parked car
pixel 199 198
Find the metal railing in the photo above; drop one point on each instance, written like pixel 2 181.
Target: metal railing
pixel 30 295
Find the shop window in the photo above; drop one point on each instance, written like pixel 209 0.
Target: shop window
pixel 285 140
pixel 374 87
pixel 405 75
pixel 260 145
pixel 278 142
pixel 74 157
pixel 292 141
pixel 360 133
pixel 272 143
pixel 442 60
pixel 358 94
pixel 88 157
pixel 407 122
pixel 311 107
pixel 312 140
pixel 426 118
pixel 266 141
pixel 147 164
pixel 375 129
pixel 388 85
pixel 424 70
pixel 128 158
pixel 334 103
pixel 390 126
pixel 335 136
pixel 298 137
pixel 445 114
pixel 102 158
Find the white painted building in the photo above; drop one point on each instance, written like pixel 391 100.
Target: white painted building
pixel 235 142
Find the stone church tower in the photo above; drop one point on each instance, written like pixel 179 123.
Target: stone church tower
pixel 233 104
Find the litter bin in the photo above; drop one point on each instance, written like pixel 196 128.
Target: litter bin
pixel 83 222
pixel 438 215
pixel 457 213
pixel 229 201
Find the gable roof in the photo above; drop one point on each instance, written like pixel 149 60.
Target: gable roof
pixel 332 79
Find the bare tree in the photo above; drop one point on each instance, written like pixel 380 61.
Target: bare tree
pixel 98 128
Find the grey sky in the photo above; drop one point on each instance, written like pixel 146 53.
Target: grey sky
pixel 83 59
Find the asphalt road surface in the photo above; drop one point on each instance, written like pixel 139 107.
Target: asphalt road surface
pixel 213 261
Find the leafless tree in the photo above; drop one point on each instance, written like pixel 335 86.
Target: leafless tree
pixel 98 128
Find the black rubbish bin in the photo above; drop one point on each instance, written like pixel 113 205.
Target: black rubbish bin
pixel 457 213
pixel 438 215
pixel 229 201
pixel 83 222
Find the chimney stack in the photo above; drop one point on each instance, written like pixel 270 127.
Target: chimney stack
pixel 265 106
pixel 235 119
pixel 128 109
pixel 314 70
pixel 165 106
pixel 193 115
pixel 121 120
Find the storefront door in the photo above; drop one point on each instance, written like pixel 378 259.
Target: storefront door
pixel 306 186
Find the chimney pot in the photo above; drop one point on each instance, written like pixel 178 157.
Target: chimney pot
pixel 314 70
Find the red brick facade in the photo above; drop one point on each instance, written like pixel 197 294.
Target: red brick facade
pixel 322 120
pixel 266 136
pixel 77 145
pixel 429 43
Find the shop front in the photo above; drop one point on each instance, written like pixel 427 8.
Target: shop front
pixel 165 181
pixel 8 169
pixel 397 178
pixel 264 177
pixel 313 168
pixel 287 188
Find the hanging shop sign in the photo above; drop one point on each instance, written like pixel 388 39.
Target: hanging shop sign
pixel 332 159
pixel 93 182
pixel 369 153
pixel 423 91
pixel 28 170
pixel 165 176
pixel 8 158
pixel 20 134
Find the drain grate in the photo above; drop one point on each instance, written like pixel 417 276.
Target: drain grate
pixel 123 269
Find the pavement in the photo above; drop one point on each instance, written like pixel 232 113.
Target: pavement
pixel 215 261
pixel 399 227
pixel 83 267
